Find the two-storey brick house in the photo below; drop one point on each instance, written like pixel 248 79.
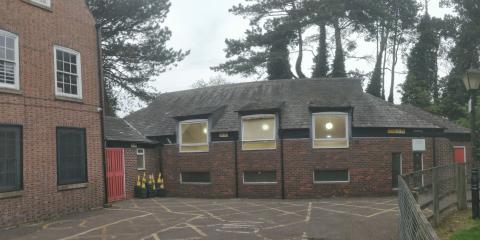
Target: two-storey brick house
pixel 50 110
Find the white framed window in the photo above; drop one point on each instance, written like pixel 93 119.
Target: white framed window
pixel 194 135
pixel 331 176
pixel 259 177
pixel 140 159
pixel 9 64
pixel 259 132
pixel 330 130
pixel 68 78
pixel 44 3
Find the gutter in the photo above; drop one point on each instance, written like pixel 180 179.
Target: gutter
pixel 102 111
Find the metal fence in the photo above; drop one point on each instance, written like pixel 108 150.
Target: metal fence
pixel 428 195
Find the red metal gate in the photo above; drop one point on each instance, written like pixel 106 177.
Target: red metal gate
pixel 115 174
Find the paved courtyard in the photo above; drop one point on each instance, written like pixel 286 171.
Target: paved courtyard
pixel 230 219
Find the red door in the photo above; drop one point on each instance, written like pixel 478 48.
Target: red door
pixel 115 174
pixel 459 153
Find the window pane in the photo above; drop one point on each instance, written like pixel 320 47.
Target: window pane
pixel 140 161
pixel 2 53
pixel 194 133
pixel 202 148
pixel 330 126
pixel 10 43
pixel 258 145
pixel 10 55
pixel 195 177
pixel 331 175
pixel 330 143
pixel 258 129
pixel 71 159
pixel 10 167
pixel 259 176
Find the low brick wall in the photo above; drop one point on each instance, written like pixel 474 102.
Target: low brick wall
pixel 369 161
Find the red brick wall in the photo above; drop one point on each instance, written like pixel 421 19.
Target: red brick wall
pixel 259 160
pixel 69 24
pixel 369 161
pixel 219 161
pixel 152 164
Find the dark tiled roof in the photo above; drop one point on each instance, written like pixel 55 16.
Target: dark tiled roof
pixel 294 97
pixel 449 126
pixel 117 129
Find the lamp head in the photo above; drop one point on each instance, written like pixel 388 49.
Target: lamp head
pixel 471 79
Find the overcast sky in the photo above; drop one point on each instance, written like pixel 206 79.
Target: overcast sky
pixel 202 26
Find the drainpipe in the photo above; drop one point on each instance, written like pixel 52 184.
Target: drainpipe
pixel 102 111
pixel 434 155
pixel 235 157
pixel 282 165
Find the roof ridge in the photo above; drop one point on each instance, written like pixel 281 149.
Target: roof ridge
pixel 266 81
pixel 135 129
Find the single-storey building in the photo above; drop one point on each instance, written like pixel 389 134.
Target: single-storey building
pixel 300 138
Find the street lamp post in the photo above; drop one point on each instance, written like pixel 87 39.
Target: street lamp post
pixel 471 80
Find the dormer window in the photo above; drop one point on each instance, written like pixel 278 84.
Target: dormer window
pixel 259 132
pixel 330 130
pixel 194 135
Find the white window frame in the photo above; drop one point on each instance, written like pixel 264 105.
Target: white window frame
pixel 196 183
pixel 259 183
pixel 79 72
pixel 260 116
pixel 347 130
pixel 196 144
pixel 330 182
pixel 141 152
pixel 48 3
pixel 16 84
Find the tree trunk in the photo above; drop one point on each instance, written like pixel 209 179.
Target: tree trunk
pixel 375 86
pixel 394 62
pixel 338 69
pixel 298 64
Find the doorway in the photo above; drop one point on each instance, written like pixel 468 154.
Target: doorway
pixel 396 168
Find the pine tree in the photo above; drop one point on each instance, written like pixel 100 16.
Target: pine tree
pixel 320 67
pixel 134 47
pixel 421 85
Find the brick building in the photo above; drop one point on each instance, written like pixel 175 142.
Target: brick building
pixel 285 139
pixel 50 121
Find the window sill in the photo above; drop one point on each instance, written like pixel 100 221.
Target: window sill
pixel 141 169
pixel 260 183
pixel 72 186
pixel 195 183
pixel 49 9
pixel 68 99
pixel 13 194
pixel 332 182
pixel 10 91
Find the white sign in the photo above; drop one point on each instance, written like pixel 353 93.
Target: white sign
pixel 418 145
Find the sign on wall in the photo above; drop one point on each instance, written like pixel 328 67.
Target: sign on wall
pixel 418 145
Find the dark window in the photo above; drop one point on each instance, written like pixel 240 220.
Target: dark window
pixel 259 177
pixel 71 156
pixel 331 175
pixel 10 158
pixel 195 177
